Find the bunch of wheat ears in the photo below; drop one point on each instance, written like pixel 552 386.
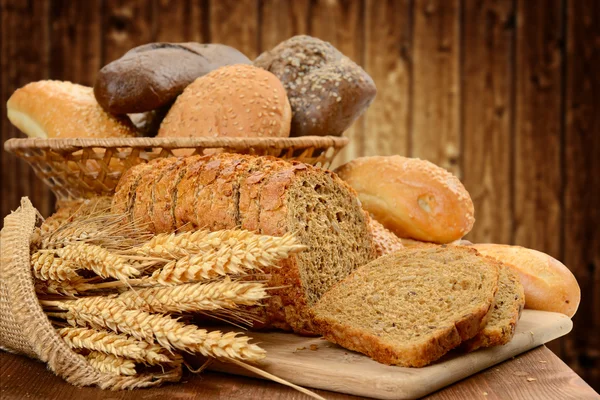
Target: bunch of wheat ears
pixel 126 300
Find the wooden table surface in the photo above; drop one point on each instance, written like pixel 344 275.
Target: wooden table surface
pixel 537 374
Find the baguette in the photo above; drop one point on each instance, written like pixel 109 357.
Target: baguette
pixel 548 284
pixel 267 196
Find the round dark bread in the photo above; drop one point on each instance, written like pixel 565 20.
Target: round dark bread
pixel 153 75
pixel 327 90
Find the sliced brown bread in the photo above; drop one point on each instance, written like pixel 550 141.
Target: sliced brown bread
pixel 509 302
pixel 410 307
pixel 271 197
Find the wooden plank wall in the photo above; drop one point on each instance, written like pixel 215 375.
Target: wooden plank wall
pixel 504 93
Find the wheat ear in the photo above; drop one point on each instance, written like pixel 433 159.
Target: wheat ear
pixel 193 297
pixel 47 266
pixel 111 364
pixel 65 288
pixel 115 344
pixel 99 260
pixel 100 312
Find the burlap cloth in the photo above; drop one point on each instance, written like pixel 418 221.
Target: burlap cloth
pixel 24 328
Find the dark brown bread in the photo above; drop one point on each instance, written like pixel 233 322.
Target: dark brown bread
pixel 327 90
pixel 153 75
pixel 411 307
pixel 271 197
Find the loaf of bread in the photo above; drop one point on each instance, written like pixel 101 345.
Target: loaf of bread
pixel 549 285
pixel 327 90
pixel 385 241
pixel 411 307
pixel 56 109
pixel 264 195
pixel 413 198
pixel 151 76
pixel 508 304
pixel 234 101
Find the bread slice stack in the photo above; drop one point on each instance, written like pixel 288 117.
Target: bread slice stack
pixel 411 307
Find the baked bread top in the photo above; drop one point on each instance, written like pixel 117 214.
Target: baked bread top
pixel 410 307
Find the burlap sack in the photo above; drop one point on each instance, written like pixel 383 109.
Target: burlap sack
pixel 24 328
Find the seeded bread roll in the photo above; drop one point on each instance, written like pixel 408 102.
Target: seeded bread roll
pixel 264 195
pixel 234 101
pixel 549 284
pixel 151 76
pixel 56 109
pixel 327 90
pixel 413 198
pixel 385 241
pixel 411 307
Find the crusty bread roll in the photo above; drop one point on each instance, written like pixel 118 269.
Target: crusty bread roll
pixel 385 241
pixel 413 198
pixel 549 285
pixel 412 243
pixel 56 109
pixel 234 101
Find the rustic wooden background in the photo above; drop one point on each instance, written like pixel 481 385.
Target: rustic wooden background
pixel 506 94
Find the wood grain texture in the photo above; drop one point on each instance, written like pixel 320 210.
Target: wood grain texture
pixel 582 182
pixel 181 21
pixel 341 22
pixel 126 24
pixel 280 20
pixel 488 34
pixel 539 61
pixel 21 377
pixel 21 63
pixel 388 30
pixel 436 90
pixel 235 23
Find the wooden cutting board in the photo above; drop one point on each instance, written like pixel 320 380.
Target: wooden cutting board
pixel 316 363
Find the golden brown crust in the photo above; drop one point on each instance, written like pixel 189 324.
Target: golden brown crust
pixel 234 101
pixel 413 198
pixel 385 241
pixel 549 285
pixel 142 206
pixel 125 192
pixel 56 109
pixel 187 188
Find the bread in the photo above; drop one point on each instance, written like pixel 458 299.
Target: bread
pixel 411 242
pixel 264 195
pixel 411 197
pixel 56 109
pixel 327 90
pixel 148 123
pixel 385 241
pixel 505 314
pixel 411 307
pixel 548 284
pixel 151 76
pixel 234 101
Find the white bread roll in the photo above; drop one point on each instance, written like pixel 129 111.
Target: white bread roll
pixel 234 101
pixel 549 285
pixel 56 109
pixel 411 197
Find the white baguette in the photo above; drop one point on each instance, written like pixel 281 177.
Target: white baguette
pixel 549 285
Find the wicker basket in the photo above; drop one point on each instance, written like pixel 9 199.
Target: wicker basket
pixel 84 168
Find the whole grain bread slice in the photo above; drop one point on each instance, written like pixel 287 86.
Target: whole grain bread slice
pixel 410 307
pixel 509 302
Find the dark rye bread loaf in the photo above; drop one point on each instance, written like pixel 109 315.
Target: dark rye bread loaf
pixel 410 307
pixel 264 195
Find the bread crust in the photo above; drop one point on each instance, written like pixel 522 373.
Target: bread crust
pixel 57 109
pixel 549 285
pixel 234 101
pixel 385 241
pixel 411 197
pixel 411 355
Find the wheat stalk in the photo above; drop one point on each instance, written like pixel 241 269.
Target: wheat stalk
pixel 100 312
pixel 115 344
pixel 111 364
pixel 47 266
pixel 195 297
pixel 99 260
pixel 64 288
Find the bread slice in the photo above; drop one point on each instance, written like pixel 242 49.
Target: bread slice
pixel 411 307
pixel 509 302
pixel 273 197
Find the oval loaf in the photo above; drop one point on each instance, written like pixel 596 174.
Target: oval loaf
pixel 411 197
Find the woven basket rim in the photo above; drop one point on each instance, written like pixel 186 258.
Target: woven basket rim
pixel 174 143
